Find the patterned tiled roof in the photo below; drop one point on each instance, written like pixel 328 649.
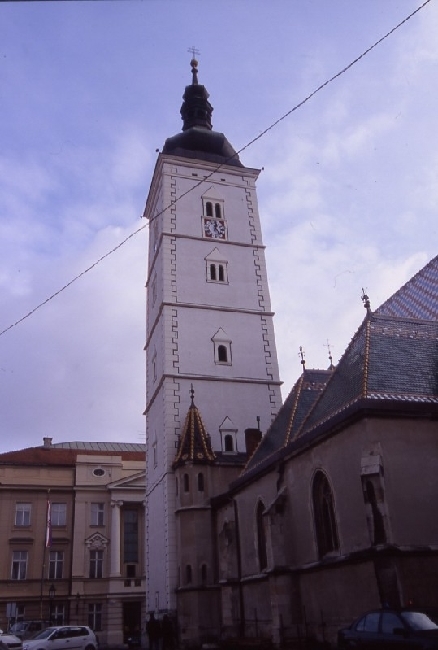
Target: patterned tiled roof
pixel 291 415
pixel 390 359
pixel 194 443
pixel 391 362
pixel 418 298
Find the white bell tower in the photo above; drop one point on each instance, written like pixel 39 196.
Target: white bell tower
pixel 209 319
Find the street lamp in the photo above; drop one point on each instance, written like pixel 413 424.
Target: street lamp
pixel 52 592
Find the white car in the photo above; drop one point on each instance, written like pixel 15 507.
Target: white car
pixel 10 641
pixel 63 637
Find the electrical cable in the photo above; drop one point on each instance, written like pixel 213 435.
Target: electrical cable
pixel 203 180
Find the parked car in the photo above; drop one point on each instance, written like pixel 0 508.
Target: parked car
pixel 398 629
pixel 28 629
pixel 63 637
pixel 10 641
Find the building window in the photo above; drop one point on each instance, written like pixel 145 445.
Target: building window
pixel 154 290
pixel 324 514
pixel 56 562
pixel 222 348
pixel 96 564
pixel 58 514
pixel 130 535
pixel 217 272
pixel 204 574
pixel 95 616
pixel 186 483
pixel 222 354
pixel 155 450
pixel 261 537
pixel 200 482
pixel 218 211
pixel 58 614
pixel 154 366
pixel 228 442
pixel 131 570
pixel 209 209
pixel 378 523
pixel 22 514
pixel 188 574
pixel 97 514
pixel 19 565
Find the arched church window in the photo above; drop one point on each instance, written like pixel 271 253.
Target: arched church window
pixel 379 535
pixel 222 354
pixel 324 515
pixel 200 482
pixel 213 272
pixel 217 211
pixel 221 273
pixel 186 483
pixel 228 442
pixel 209 209
pixel 188 574
pixel 204 574
pixel 261 537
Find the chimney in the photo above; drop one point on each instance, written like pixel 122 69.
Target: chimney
pixel 252 439
pixel 47 443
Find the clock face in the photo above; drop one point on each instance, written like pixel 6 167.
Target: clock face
pixel 214 228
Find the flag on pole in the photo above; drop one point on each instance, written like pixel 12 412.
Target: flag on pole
pixel 48 525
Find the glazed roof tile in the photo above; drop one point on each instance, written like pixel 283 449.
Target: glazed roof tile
pixel 291 415
pixel 392 360
pixel 194 443
pixel 418 298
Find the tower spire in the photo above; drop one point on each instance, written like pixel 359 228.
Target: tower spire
pixel 196 110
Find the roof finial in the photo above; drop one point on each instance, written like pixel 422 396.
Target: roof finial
pixel 192 393
pixel 302 355
pixel 366 301
pixel 194 64
pixel 327 345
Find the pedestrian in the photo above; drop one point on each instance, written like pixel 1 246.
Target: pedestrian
pixel 153 629
pixel 167 633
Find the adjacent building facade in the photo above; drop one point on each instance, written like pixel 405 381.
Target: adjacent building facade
pixel 72 533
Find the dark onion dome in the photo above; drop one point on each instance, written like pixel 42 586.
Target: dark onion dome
pixel 197 139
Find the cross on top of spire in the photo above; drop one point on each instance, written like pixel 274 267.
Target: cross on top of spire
pixel 194 64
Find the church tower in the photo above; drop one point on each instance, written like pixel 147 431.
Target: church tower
pixel 209 319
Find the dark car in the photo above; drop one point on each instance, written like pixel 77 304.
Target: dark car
pixel 390 628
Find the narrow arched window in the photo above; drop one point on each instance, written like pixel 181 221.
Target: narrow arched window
pixel 217 210
pixel 324 514
pixel 379 535
pixel 200 482
pixel 186 483
pixel 222 353
pixel 204 574
pixel 209 209
pixel 261 537
pixel 221 273
pixel 228 442
pixel 188 574
pixel 213 272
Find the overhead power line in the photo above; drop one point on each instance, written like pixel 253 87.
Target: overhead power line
pixel 203 180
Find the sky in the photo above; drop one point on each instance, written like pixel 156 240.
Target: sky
pixel 348 192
